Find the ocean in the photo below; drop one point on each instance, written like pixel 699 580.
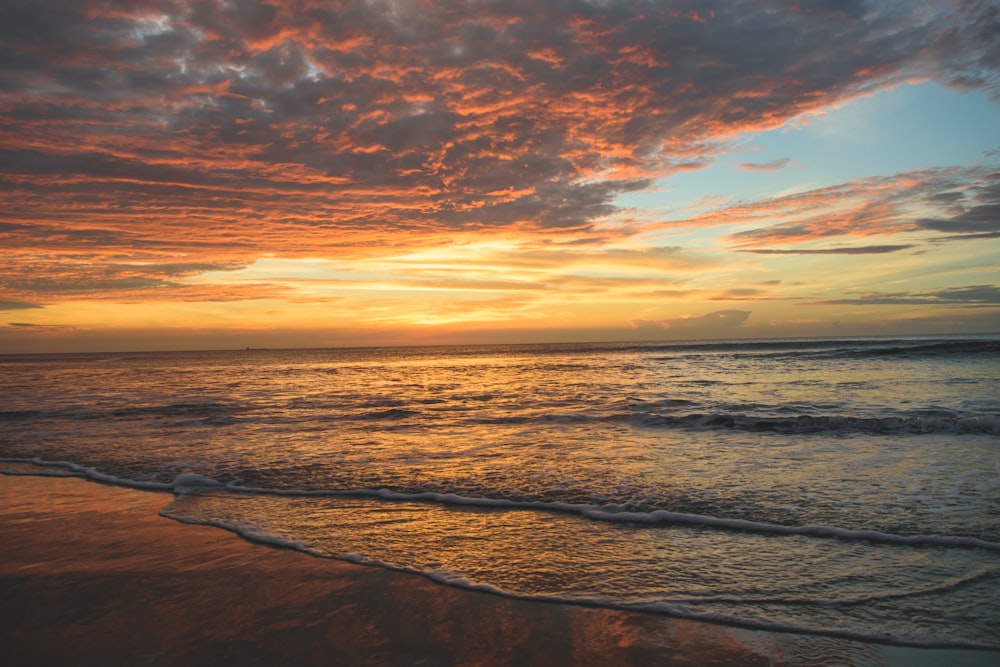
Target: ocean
pixel 848 488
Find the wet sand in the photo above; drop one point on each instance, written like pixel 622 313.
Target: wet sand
pixel 91 575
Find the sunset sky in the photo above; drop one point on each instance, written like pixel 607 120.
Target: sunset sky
pixel 222 174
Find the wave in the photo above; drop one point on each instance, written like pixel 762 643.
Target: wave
pixel 915 422
pixel 203 411
pixel 176 409
pixel 19 415
pixel 911 423
pixel 77 470
pixel 390 414
pixel 187 483
pixel 862 346
pixel 834 349
pixel 687 608
pixel 984 573
pixel 934 348
pixel 668 414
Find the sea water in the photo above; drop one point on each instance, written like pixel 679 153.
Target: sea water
pixel 841 487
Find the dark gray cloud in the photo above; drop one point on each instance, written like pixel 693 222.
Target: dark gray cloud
pixel 973 214
pixel 967 52
pixel 977 222
pixel 17 305
pixel 30 325
pixel 971 295
pixel 859 250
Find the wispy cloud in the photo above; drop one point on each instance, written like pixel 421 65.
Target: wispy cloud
pixel 6 306
pixel 773 165
pixel 966 201
pixel 849 250
pixel 39 328
pixel 972 295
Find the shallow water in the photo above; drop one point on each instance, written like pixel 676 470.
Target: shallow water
pixel 841 487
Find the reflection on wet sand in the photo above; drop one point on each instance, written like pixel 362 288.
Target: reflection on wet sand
pixel 91 575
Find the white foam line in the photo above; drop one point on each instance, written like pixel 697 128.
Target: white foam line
pixel 189 483
pixel 250 532
pixel 676 609
pixel 665 516
pixel 654 517
pixel 89 473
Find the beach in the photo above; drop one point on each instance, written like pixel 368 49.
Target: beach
pixel 91 575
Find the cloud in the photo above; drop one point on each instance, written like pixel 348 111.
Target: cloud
pixel 964 228
pixel 986 321
pixel 17 305
pixel 718 323
pixel 30 325
pixel 855 250
pixel 971 295
pixel 48 279
pixel 744 294
pixel 966 201
pixel 979 220
pixel 773 165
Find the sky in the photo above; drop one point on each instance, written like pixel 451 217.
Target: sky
pixel 205 174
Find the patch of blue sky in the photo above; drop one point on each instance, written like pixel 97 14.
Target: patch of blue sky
pixel 908 127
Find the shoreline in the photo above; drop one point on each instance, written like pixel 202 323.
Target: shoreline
pixel 91 574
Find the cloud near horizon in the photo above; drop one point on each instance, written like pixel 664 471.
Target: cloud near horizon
pixel 168 149
pixel 970 295
pixel 713 325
